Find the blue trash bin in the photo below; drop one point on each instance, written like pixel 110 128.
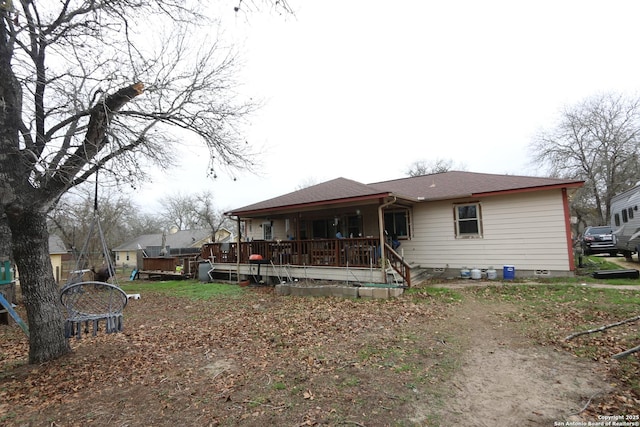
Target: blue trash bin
pixel 509 272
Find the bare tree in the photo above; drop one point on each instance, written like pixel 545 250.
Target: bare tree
pixel 83 89
pixel 179 210
pixel 424 167
pixel 188 211
pixel 120 220
pixel 595 140
pixel 305 183
pixel 139 223
pixel 209 216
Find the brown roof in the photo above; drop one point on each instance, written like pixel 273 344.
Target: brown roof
pixel 440 186
pixel 335 191
pixel 455 184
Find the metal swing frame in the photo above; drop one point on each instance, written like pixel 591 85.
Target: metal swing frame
pixel 82 260
pixel 90 302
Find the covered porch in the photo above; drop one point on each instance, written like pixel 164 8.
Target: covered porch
pixel 348 259
pixel 338 230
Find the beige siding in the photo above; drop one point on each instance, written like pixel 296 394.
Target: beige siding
pixel 253 230
pixel 527 231
pixel 56 263
pixel 121 259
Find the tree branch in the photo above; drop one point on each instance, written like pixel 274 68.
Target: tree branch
pixel 602 328
pixel 626 353
pixel 94 139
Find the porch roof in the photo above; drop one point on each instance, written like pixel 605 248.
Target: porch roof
pixel 336 191
pixel 439 186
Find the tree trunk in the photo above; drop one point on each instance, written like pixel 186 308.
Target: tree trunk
pixel 40 292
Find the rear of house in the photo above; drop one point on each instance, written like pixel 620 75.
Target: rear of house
pixel 527 231
pixel 442 222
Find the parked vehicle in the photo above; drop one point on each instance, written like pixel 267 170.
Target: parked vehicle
pixel 598 240
pixel 625 221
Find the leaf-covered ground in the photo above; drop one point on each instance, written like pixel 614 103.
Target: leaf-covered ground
pixel 257 359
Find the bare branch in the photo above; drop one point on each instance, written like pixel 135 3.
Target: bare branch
pixel 626 353
pixel 602 328
pixel 598 141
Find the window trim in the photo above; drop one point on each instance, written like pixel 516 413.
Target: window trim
pixel 478 220
pixel 267 230
pixel 406 212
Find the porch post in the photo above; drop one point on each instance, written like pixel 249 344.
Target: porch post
pixel 238 249
pixel 383 260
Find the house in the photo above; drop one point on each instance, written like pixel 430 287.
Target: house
pixel 57 253
pixel 343 230
pixel 223 235
pixel 176 242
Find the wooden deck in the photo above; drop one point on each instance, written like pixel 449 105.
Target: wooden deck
pixel 341 253
pixel 168 268
pixel 160 275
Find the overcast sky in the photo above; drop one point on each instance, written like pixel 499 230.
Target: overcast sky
pixel 361 89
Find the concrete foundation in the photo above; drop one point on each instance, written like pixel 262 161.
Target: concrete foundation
pixel 302 289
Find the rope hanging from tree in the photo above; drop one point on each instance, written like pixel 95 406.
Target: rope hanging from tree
pixel 83 265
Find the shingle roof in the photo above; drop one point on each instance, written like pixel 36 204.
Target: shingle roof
pixel 446 185
pixel 454 184
pixel 336 190
pixel 56 245
pixel 179 239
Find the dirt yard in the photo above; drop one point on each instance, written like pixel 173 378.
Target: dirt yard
pixel 476 356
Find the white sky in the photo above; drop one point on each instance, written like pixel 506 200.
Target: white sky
pixel 363 88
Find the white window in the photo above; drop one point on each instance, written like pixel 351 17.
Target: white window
pixel 267 233
pixel 468 221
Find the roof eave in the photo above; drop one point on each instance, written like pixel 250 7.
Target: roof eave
pixel 530 189
pixel 573 185
pixel 299 206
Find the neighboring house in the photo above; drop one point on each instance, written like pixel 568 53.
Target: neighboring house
pixel 57 250
pixel 153 245
pixel 57 254
pixel 224 235
pixel 443 222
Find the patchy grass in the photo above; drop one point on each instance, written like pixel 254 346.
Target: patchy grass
pixel 549 313
pixel 554 299
pixel 593 263
pixel 191 289
pixel 217 354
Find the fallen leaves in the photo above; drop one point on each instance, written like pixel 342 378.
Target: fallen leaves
pixel 262 358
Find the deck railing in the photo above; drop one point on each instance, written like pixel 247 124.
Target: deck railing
pixel 356 252
pixel 347 252
pixel 398 263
